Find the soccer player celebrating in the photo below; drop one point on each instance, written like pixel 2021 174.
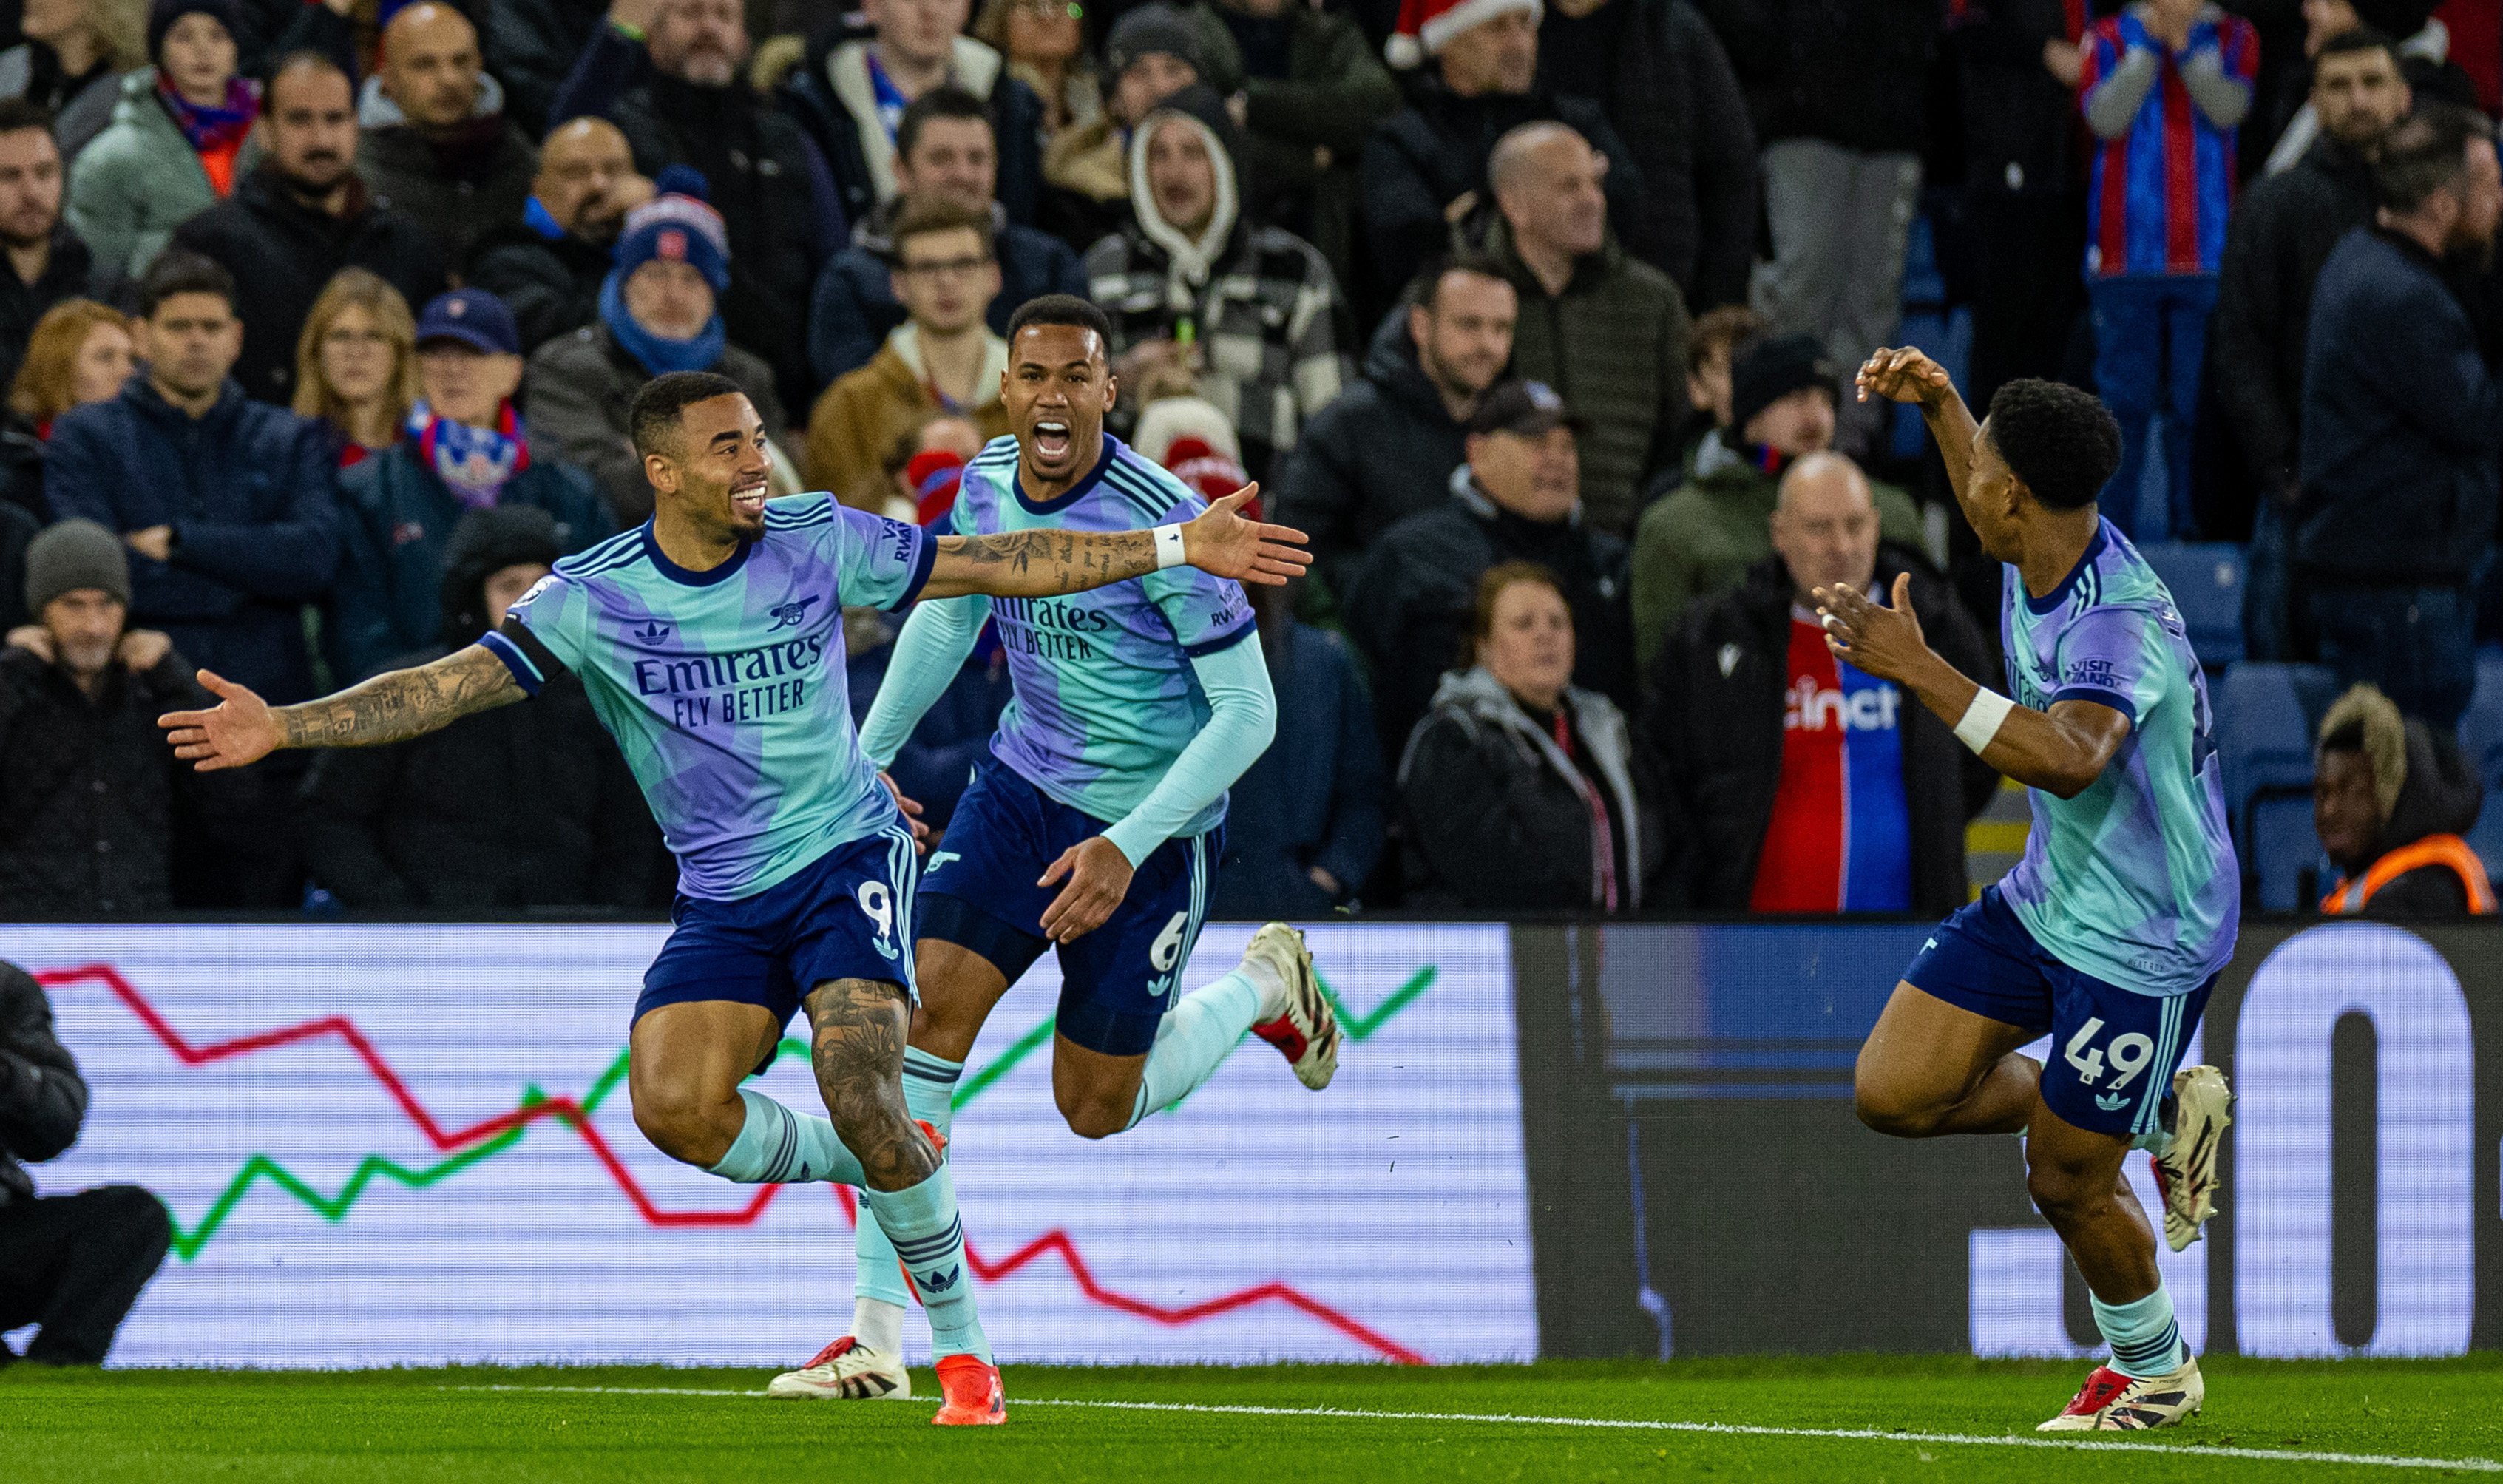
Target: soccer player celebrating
pixel 1094 824
pixel 711 641
pixel 2111 930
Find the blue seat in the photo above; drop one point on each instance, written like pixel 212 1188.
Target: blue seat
pixel 2267 717
pixel 2206 580
pixel 1928 324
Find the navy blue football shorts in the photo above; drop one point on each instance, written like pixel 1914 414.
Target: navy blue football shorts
pixel 2113 1051
pixel 1116 982
pixel 847 914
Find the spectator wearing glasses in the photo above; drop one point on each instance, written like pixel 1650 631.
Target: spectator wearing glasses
pixel 463 448
pixel 356 365
pixel 943 358
pixel 944 149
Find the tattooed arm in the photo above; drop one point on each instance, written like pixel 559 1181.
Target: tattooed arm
pixel 392 706
pixel 1045 564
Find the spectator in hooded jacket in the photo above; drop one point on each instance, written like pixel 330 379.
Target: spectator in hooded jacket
pixel 75 1262
pixel 942 359
pixel 2152 246
pixel 944 149
pixel 1423 172
pixel 1311 90
pixel 227 502
pixel 526 806
pixel 1785 779
pixel 81 351
pixel 1553 818
pixel 1249 310
pixel 46 263
pixel 435 145
pixel 170 152
pixel 2401 421
pixel 659 312
pixel 1703 536
pixel 464 448
pixel 1304 828
pixel 88 792
pixel 1514 500
pixel 2281 232
pixel 548 265
pixel 71 63
pixel 300 217
pixel 1386 448
pixel 1657 70
pixel 2391 799
pixel 356 365
pixel 671 75
pixel 1152 53
pixel 1606 331
pixel 851 95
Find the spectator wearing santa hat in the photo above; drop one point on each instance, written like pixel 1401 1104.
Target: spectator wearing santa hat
pixel 659 312
pixel 1424 173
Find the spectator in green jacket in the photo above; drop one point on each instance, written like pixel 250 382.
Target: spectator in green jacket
pixel 171 150
pixel 1701 539
pixel 1606 330
pixel 464 449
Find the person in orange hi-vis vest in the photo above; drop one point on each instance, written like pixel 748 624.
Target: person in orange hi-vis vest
pixel 2389 798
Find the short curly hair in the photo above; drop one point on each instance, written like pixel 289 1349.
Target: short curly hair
pixel 2061 441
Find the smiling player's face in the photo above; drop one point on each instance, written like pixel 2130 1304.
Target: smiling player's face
pixel 716 474
pixel 1057 389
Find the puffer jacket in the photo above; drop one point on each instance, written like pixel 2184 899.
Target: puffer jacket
pixel 1497 817
pixel 43 1099
pixel 1711 740
pixel 136 182
pixel 1612 345
pixel 1383 451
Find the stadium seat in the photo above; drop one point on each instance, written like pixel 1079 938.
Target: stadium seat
pixel 2481 737
pixel 2206 580
pixel 1928 324
pixel 2266 720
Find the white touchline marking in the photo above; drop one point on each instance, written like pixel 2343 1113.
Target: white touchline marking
pixel 1727 1428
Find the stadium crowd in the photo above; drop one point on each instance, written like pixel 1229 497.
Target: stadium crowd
pixel 321 322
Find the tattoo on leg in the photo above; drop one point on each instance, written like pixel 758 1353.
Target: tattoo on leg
pixel 857 1035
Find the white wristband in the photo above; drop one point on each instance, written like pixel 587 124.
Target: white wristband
pixel 1983 719
pixel 1169 547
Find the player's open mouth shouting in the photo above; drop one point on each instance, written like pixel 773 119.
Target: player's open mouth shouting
pixel 1052 441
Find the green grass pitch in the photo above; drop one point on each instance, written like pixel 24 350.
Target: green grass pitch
pixel 1767 1419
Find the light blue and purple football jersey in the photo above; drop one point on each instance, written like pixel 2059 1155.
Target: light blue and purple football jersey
pixel 2133 880
pixel 726 689
pixel 1105 698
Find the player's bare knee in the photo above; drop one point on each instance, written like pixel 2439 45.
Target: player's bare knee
pixel 2065 1193
pixel 1888 1108
pixel 684 1122
pixel 1091 1115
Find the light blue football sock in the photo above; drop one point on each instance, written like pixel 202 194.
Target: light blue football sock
pixel 922 1224
pixel 1195 1039
pixel 929 1094
pixel 781 1145
pixel 2144 1339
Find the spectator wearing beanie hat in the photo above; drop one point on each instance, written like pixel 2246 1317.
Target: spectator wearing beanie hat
pixel 1703 536
pixel 1424 173
pixel 524 806
pixel 87 782
pixel 170 150
pixel 464 448
pixel 659 312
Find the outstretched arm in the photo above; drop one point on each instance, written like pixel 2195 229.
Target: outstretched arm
pixel 1910 376
pixel 1046 564
pixel 392 706
pixel 2061 751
